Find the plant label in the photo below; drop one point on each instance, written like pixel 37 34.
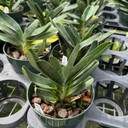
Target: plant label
pixel 64 60
pixel 38 108
pixel 6 10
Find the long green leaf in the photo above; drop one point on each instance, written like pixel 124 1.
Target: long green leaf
pixel 68 68
pixel 46 95
pixel 49 71
pixel 10 39
pixel 56 64
pixel 89 33
pixel 87 72
pixel 81 86
pixel 78 68
pixel 32 57
pixel 39 80
pixel 9 22
pixel 29 30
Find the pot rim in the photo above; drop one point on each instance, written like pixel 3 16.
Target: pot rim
pixel 93 92
pixel 18 11
pixel 19 59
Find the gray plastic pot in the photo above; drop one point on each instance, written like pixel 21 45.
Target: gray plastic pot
pixel 17 63
pixel 56 122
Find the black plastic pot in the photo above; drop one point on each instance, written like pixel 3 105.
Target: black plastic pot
pixel 26 8
pixel 17 63
pixel 17 16
pixel 101 26
pixel 57 122
pixel 123 18
pixel 1 46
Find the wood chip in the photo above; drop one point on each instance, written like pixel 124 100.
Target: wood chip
pixel 86 99
pixel 36 100
pixel 43 105
pixel 48 109
pixel 15 54
pixel 23 57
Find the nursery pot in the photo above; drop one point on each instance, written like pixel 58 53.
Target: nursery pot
pixel 17 16
pixel 123 18
pixel 101 26
pixel 48 122
pixel 1 46
pixel 55 51
pixel 17 63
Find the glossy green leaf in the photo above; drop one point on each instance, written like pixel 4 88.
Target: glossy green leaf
pixel 81 86
pixel 89 33
pixel 90 40
pixel 68 68
pixel 86 72
pixel 48 70
pixel 9 22
pixel 56 64
pixel 32 57
pixel 39 80
pixel 29 30
pixel 45 95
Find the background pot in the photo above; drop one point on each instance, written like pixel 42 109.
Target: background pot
pixel 123 18
pixel 56 122
pixel 1 46
pixel 17 63
pixel 17 16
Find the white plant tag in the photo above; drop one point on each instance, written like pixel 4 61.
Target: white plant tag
pixel 6 10
pixel 38 108
pixel 64 60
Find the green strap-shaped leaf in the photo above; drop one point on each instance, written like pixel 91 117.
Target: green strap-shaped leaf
pixel 99 50
pixel 73 34
pixel 9 22
pixel 37 11
pixel 65 34
pixel 56 64
pixel 65 47
pixel 29 30
pixel 16 4
pixel 81 86
pixel 49 71
pixel 92 47
pixel 56 11
pixel 104 36
pixel 55 3
pixel 89 33
pixel 10 39
pixel 86 72
pixel 78 68
pixel 41 29
pixel 43 35
pixel 42 47
pixel 99 37
pixel 32 57
pixel 39 80
pixel 89 12
pixel 69 8
pixel 45 95
pixel 8 31
pixel 90 40
pixel 68 68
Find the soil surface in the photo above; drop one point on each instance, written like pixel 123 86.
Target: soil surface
pixel 15 53
pixel 70 107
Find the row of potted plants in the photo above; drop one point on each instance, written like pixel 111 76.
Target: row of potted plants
pixel 60 94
